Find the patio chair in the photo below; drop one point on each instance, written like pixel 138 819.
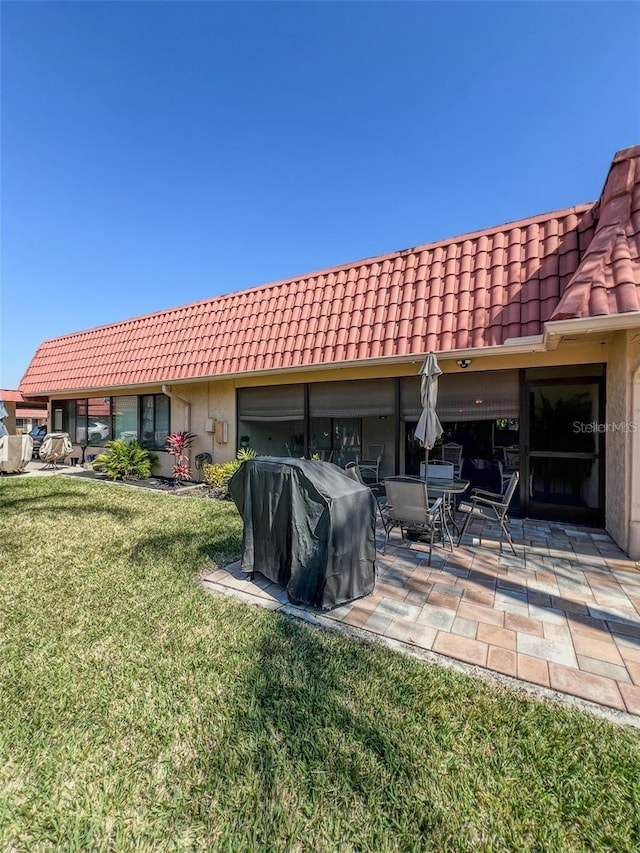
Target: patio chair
pixel 511 456
pixel 408 508
pixel 452 452
pixel 490 506
pixel 505 479
pixel 352 470
pixel 55 447
pixel 372 461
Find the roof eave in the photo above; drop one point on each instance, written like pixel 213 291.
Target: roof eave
pixel 554 330
pixel 531 343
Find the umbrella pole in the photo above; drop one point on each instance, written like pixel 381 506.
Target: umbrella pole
pixel 426 469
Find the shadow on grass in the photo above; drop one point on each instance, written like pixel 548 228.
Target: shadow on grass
pixel 339 746
pixel 190 548
pixel 67 501
pixel 320 755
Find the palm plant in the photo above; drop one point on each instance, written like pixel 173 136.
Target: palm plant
pixel 123 460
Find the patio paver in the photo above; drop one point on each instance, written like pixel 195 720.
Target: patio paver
pixel 563 614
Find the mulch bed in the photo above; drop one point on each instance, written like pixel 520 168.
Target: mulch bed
pixel 157 484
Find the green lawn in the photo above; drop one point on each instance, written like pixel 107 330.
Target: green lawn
pixel 139 712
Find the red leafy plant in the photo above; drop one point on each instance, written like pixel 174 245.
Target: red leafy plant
pixel 178 444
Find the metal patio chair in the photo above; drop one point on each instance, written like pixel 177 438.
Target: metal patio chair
pixel 408 508
pixel 452 452
pixel 490 506
pixel 352 470
pixel 372 461
pixel 511 457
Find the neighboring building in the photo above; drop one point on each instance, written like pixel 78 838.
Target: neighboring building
pixel 29 416
pixel 536 325
pixel 9 400
pixel 20 416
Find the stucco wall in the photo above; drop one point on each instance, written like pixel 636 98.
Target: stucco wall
pixel 221 403
pixel 209 402
pixel 616 443
pixel 632 483
pixel 215 400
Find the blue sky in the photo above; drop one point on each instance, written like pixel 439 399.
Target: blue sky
pixel 155 154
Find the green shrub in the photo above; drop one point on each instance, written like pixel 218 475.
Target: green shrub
pixel 217 474
pixel 246 453
pixel 125 461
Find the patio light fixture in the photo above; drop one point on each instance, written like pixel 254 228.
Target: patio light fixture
pixel 463 362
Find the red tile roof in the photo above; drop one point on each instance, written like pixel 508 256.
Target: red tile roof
pixel 11 396
pixel 608 278
pixel 22 412
pixel 476 290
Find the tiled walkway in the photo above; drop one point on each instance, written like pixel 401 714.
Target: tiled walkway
pixel 564 614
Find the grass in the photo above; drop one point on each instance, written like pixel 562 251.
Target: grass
pixel 139 712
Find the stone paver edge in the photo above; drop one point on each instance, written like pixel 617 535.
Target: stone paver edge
pixel 533 690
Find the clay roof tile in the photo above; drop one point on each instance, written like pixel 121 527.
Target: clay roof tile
pixel 473 290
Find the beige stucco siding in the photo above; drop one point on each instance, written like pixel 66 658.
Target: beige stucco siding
pixel 632 480
pixel 212 402
pixel 573 353
pixel 197 406
pixel 617 443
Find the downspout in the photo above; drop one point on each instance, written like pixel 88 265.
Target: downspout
pixel 185 403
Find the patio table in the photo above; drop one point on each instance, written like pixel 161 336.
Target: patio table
pixel 449 489
pixel 446 489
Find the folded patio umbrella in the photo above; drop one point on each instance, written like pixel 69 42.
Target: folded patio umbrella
pixel 429 428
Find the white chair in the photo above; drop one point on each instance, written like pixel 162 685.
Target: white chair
pixel 490 506
pixel 505 478
pixel 370 465
pixel 511 456
pixel 408 507
pixel 452 452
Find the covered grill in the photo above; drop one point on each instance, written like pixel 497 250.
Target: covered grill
pixel 308 527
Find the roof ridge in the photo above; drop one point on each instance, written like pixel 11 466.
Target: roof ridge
pixel 596 278
pixel 447 241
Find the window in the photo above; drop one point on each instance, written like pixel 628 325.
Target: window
pixel 99 421
pixel 155 425
pixel 324 419
pixel 336 439
pixel 96 420
pixel 79 420
pixel 271 419
pixel 125 418
pixel 481 396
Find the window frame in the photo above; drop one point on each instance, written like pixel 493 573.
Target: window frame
pixel 81 421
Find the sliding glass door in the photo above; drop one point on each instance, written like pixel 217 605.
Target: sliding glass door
pixel 563 474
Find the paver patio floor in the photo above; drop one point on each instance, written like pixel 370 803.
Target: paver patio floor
pixel 563 614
